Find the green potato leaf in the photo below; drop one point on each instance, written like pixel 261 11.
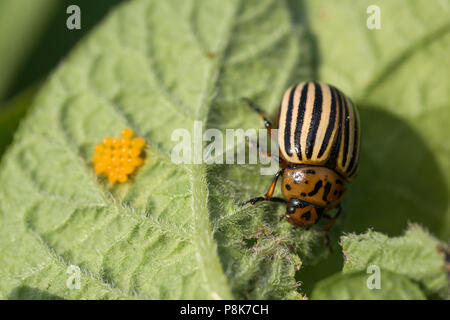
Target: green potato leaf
pixel 175 231
pixel 412 266
pixel 416 255
pixel 353 286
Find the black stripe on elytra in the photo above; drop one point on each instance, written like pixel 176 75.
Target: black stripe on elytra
pixel 355 144
pixel 315 120
pixel 337 142
pixel 326 191
pixel 300 116
pixel 352 173
pixel 316 188
pixel 287 128
pixel 346 133
pixel 331 124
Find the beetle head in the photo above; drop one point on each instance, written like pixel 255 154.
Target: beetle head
pixel 301 213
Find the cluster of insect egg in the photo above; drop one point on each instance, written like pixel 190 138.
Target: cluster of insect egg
pixel 118 158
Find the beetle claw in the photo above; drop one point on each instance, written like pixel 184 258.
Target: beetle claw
pixel 327 241
pixel 253 201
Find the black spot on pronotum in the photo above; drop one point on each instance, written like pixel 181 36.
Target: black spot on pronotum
pixel 309 171
pixel 306 215
pixel 288 187
pixel 317 187
pixel 306 181
pixel 303 194
pixel 326 191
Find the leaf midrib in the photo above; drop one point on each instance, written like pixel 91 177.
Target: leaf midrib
pixel 211 267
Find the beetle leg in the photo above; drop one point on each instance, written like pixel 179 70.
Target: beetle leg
pixel 269 193
pixel 268 125
pixel 259 199
pixel 271 190
pixel 261 113
pixel 332 219
pixel 328 226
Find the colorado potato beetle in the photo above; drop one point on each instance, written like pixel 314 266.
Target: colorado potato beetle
pixel 318 140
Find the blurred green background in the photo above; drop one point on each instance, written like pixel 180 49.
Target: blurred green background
pixel 33 40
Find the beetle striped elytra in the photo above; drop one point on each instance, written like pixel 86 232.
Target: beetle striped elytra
pixel 318 140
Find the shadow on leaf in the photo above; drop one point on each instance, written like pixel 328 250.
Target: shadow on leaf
pixel 399 179
pixel 28 293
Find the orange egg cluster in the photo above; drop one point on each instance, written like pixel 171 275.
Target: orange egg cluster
pixel 118 158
